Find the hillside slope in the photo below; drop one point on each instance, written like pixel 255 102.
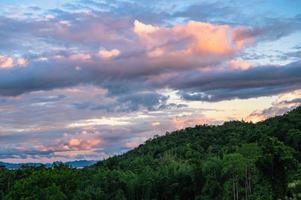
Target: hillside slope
pixel 236 160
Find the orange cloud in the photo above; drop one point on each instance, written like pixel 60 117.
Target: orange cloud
pixel 74 142
pixel 82 143
pixel 22 61
pixel 107 54
pixel 193 38
pixel 7 62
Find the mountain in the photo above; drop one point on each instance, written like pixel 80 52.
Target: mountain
pixel 236 160
pixel 80 163
pixel 9 165
pixel 72 164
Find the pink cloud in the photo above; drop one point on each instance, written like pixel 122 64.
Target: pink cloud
pixel 75 142
pixel 193 38
pixel 239 64
pixel 191 120
pixel 132 144
pixel 135 142
pixel 281 105
pixel 80 57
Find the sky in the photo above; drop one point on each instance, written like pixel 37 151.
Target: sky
pixel 88 79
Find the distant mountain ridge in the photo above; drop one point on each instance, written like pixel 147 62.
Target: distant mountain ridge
pixel 72 164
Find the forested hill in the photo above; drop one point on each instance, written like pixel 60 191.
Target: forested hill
pixel 236 161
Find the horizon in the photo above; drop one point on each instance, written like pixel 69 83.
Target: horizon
pixel 58 161
pixel 121 153
pixel 85 80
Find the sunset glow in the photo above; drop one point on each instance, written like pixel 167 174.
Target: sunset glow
pixel 90 79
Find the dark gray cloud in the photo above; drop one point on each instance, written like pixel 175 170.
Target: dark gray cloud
pixel 128 102
pixel 192 85
pixel 293 101
pixel 255 82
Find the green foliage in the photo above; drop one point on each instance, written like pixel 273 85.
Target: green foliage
pixel 235 161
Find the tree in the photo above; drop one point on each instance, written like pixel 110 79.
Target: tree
pixel 212 170
pixel 274 164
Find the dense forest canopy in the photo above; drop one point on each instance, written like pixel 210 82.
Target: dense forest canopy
pixel 236 160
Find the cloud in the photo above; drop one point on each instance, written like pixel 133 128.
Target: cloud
pixel 80 57
pixel 108 54
pixel 117 121
pixel 141 28
pixel 7 62
pixel 191 120
pixel 216 11
pixel 239 64
pixel 193 38
pixel 128 102
pixel 192 84
pixel 87 143
pixel 281 105
pixel 254 82
pixel 80 143
pixel 162 51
